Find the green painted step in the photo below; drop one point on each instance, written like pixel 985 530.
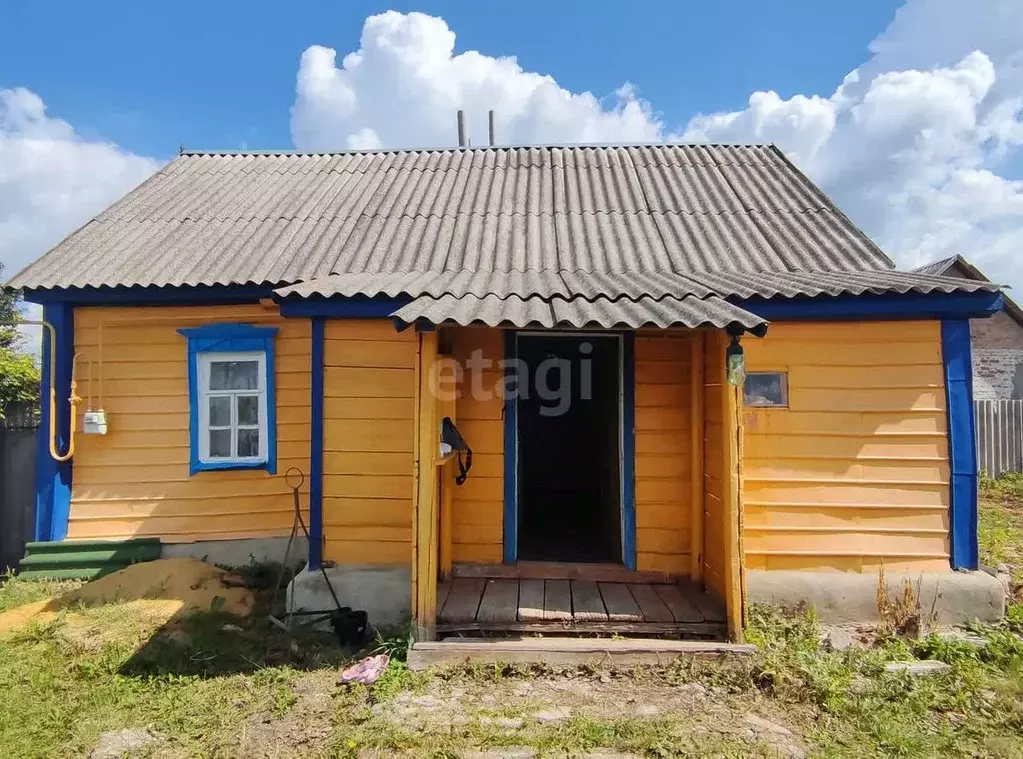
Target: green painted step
pixel 85 559
pixel 136 549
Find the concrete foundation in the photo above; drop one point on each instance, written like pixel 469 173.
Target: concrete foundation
pixel 849 597
pixel 385 593
pixel 241 553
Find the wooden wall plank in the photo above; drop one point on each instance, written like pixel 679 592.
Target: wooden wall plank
pixel 857 465
pixel 369 430
pixel 134 481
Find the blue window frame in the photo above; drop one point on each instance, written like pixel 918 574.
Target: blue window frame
pixel 231 393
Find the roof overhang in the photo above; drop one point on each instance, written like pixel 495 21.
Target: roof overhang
pixel 968 270
pixel 870 307
pixel 581 313
pixel 623 300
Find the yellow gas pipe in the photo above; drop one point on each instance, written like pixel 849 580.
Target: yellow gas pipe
pixel 74 399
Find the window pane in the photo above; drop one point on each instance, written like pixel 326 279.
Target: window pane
pixel 234 375
pixel 220 444
pixel 248 442
pixel 220 411
pixel 248 409
pixel 765 389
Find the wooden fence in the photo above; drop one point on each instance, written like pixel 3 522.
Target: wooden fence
pixel 17 484
pixel 999 436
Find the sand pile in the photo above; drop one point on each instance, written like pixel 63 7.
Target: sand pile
pixel 179 585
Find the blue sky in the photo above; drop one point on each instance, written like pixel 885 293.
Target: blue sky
pixel 222 74
pixel 908 114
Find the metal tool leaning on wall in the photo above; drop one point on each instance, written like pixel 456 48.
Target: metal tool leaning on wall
pixel 350 626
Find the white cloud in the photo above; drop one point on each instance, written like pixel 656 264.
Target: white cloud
pixel 52 180
pixel 401 88
pixel 912 143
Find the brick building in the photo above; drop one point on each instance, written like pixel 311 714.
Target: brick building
pixel 997 342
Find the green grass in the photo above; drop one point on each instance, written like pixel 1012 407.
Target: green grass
pixel 860 709
pixel 843 703
pixel 1001 525
pixel 100 668
pixel 59 696
pixel 215 692
pixel 205 688
pixel 16 592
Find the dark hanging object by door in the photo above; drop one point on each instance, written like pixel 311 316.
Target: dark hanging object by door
pixel 449 434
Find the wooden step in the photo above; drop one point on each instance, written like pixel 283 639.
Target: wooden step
pixel 553 570
pixel 571 627
pixel 568 652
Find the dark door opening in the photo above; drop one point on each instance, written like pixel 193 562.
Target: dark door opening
pixel 569 442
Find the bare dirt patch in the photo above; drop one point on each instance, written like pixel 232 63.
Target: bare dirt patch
pixel 298 723
pixel 580 713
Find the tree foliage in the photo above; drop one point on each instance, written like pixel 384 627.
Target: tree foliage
pixel 19 373
pixel 9 313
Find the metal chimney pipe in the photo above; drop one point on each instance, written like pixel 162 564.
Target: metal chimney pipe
pixel 490 117
pixel 461 129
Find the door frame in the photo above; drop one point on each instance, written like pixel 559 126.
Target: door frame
pixel 626 441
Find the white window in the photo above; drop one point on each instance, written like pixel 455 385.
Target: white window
pixel 766 389
pixel 232 408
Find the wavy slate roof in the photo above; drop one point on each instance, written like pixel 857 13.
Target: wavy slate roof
pixel 596 223
pixel 959 268
pixel 285 218
pixel 940 266
pixel 493 311
pixel 590 285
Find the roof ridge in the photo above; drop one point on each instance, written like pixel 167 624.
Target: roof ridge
pixel 482 148
pixel 119 219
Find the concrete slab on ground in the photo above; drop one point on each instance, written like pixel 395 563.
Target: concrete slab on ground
pixel 956 598
pixel 568 651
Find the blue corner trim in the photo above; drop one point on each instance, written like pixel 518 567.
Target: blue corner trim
pixel 511 450
pixel 955 349
pixel 357 307
pixel 629 450
pixel 53 478
pixel 151 295
pixel 316 448
pixel 230 338
pixel 957 305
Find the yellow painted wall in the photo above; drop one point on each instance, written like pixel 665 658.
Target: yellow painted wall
pixel 662 453
pixel 478 505
pixel 855 472
pixel 368 430
pixel 663 445
pixel 134 481
pixel 663 461
pixel 714 538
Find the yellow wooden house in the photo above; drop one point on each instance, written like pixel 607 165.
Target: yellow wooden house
pixel 687 381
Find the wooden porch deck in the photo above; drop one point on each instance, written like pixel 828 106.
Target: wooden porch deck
pixel 577 606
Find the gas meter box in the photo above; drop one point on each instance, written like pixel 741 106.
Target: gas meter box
pixel 95 422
